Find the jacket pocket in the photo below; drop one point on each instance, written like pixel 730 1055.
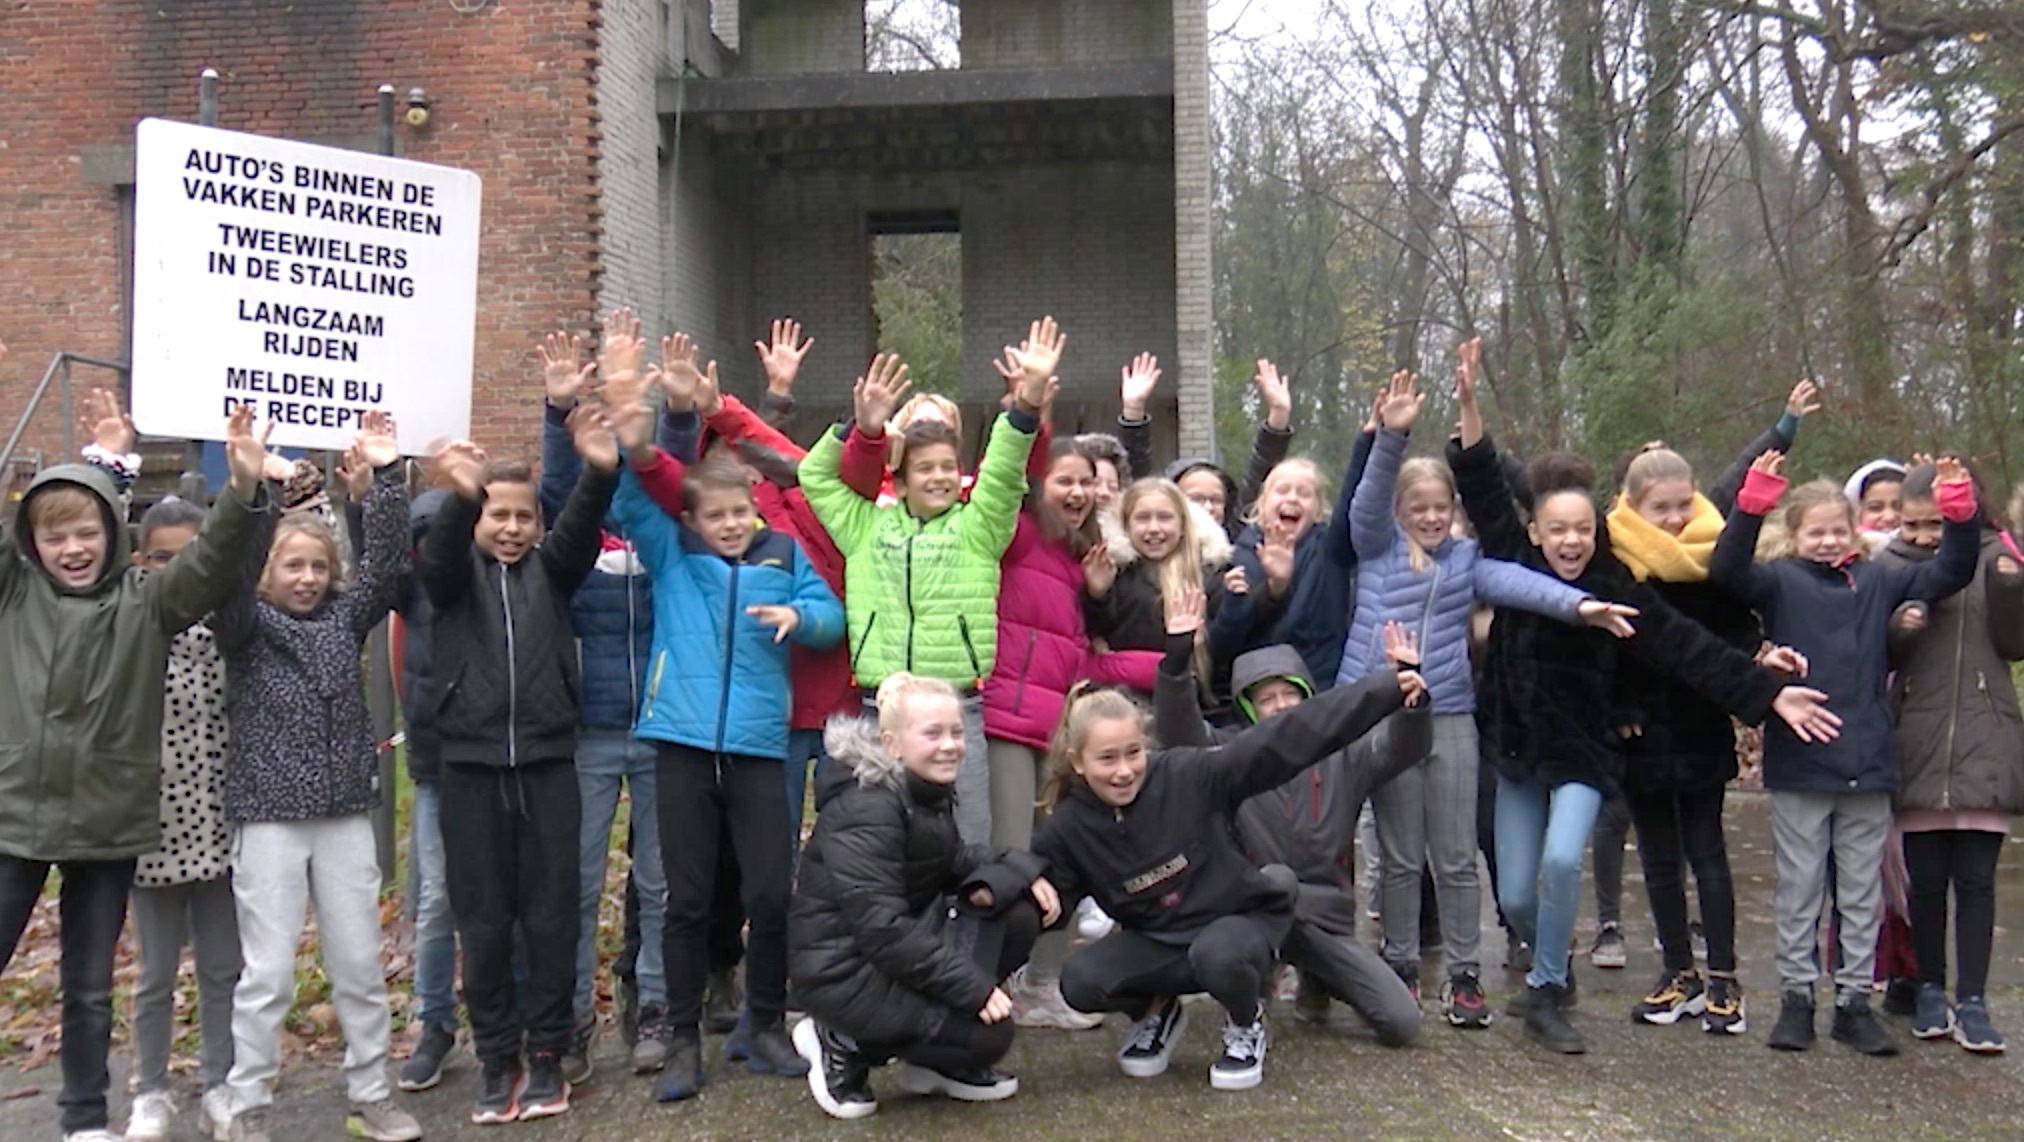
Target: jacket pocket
pixel 857 655
pixel 1025 667
pixel 969 648
pixel 448 693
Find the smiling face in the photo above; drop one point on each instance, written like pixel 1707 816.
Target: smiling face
pixel 1113 760
pixel 1290 502
pixel 1882 506
pixel 1107 483
pixel 1204 488
pixel 299 572
pixel 1426 510
pixel 930 481
pixel 1563 527
pixel 1667 505
pixel 1154 525
pixel 930 740
pixel 1920 524
pixel 725 518
pixel 1824 534
pixel 1275 696
pixel 1071 489
pixel 71 546
pixel 509 525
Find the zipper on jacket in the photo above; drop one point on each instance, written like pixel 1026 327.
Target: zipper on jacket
pixel 654 683
pixel 730 652
pixel 910 603
pixel 1019 695
pixel 632 660
pixel 976 668
pixel 1426 620
pixel 856 656
pixel 512 672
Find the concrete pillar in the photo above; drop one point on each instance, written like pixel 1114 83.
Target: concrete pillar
pixel 1194 315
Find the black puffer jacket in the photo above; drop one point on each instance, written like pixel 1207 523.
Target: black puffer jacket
pixel 301 746
pixel 878 880
pixel 418 715
pixel 1167 865
pixel 1549 709
pixel 505 682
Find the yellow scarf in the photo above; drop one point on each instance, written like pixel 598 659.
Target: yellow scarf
pixel 1651 552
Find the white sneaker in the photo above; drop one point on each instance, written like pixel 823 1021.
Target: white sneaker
pixel 154 1114
pixel 1092 923
pixel 217 1122
pixel 91 1136
pixel 1243 1063
pixel 1041 1005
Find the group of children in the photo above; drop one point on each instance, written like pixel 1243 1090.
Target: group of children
pixel 1083 741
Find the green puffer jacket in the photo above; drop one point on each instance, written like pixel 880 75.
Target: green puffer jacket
pixel 923 597
pixel 82 678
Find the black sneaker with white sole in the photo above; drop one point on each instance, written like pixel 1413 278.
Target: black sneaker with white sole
pixel 1243 1063
pixel 1462 1002
pixel 546 1093
pixel 424 1068
pixel 837 1074
pixel 1150 1045
pixel 499 1094
pixel 976 1084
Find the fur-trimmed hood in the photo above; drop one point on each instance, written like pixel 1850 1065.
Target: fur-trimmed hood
pixel 853 741
pixel 1210 538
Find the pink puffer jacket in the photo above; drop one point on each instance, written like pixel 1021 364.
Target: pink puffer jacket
pixel 1043 649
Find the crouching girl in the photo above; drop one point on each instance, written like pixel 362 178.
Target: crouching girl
pixel 900 936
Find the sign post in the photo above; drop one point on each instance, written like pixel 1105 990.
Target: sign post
pixel 315 283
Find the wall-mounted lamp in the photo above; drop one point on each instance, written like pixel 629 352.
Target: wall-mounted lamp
pixel 418 108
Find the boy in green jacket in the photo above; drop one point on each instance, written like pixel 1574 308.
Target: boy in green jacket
pixel 86 640
pixel 921 576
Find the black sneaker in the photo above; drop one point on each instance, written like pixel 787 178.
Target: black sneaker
pixel 722 1003
pixel 1311 1002
pixel 1724 1013
pixel 546 1093
pixel 1547 1022
pixel 1150 1044
pixel 1517 953
pixel 1973 1029
pixel 1856 1025
pixel 1675 998
pixel 769 1052
pixel 1409 974
pixel 1901 997
pixel 576 1060
pixel 975 1084
pixel 650 1040
pixel 1931 1017
pixel 837 1076
pixel 1462 1002
pixel 1243 1063
pixel 499 1093
pixel 683 1078
pixel 1794 1029
pixel 424 1068
pixel 1608 951
pixel 627 997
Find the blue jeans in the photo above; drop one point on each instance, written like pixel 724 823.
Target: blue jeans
pixel 606 760
pixel 1542 836
pixel 803 747
pixel 435 928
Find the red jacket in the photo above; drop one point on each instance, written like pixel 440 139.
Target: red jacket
pixel 822 682
pixel 1043 649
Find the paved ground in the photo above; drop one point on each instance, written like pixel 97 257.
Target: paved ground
pixel 1636 1082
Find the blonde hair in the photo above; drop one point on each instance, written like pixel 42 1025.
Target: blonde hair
pixel 1181 571
pixel 1418 470
pixel 62 503
pixel 1776 540
pixel 897 692
pixel 315 527
pixel 1292 466
pixel 1087 704
pixel 1655 464
pixel 896 428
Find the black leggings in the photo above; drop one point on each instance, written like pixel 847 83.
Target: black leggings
pixel 952 1040
pixel 1966 861
pixel 1231 959
pixel 1675 830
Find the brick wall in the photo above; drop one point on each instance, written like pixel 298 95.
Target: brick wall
pixel 512 94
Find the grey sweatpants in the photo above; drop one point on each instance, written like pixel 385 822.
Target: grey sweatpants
pixel 1426 816
pixel 1015 788
pixel 1804 827
pixel 199 915
pixel 1349 971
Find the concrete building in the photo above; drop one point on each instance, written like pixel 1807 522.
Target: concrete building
pixel 713 165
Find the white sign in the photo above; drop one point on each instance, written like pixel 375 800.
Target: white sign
pixel 315 283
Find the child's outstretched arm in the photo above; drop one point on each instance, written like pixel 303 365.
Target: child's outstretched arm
pixel 1136 383
pixel 385 557
pixel 1371 530
pixel 1734 564
pixel 1274 438
pixel 847 514
pixel 993 515
pixel 1177 703
pixel 444 562
pixel 210 570
pixel 1503 584
pixel 649 493
pixel 1953 569
pixel 570 551
pixel 565 377
pixel 1804 399
pixel 821 624
pixel 1486 497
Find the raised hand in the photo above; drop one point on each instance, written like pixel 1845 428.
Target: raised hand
pixel 878 393
pixel 1135 385
pixel 378 442
pixel 1402 650
pixel 461 465
pixel 590 429
pixel 107 426
pixel 1400 406
pixel 1612 617
pixel 564 373
pixel 1771 463
pixel 355 473
pixel 1468 368
pixel 1949 471
pixel 633 424
pixel 1038 357
pixel 1804 709
pixel 781 356
pixel 677 374
pixel 1275 394
pixel 1275 558
pixel 1188 614
pixel 621 354
pixel 245 452
pixel 1804 400
pixel 709 395
pixel 1099 571
pixel 277 468
pixel 783 620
